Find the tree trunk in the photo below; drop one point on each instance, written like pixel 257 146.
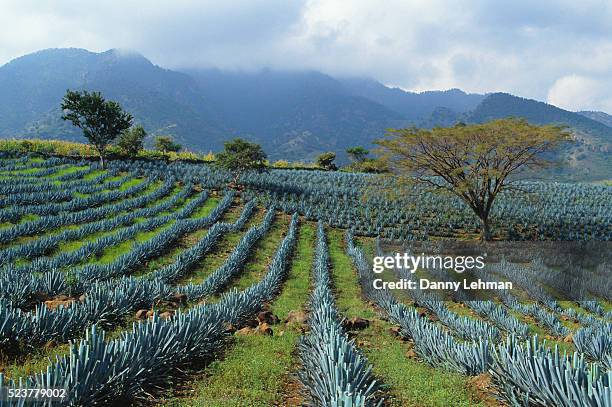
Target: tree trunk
pixel 100 151
pixel 485 231
pixel 235 179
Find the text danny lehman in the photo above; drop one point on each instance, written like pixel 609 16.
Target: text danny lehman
pixel 426 284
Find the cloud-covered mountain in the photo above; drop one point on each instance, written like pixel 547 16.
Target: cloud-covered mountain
pixel 294 115
pixel 411 105
pixel 163 101
pixel 587 158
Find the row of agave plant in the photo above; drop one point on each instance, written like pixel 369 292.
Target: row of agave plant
pixel 343 200
pixel 334 371
pixel 46 244
pixel 15 212
pixel 490 310
pixel 229 270
pixel 362 202
pixel 339 199
pixel 519 274
pixel 550 320
pixel 93 248
pixel 105 302
pixel 69 176
pixel 97 371
pixel 148 249
pixel 204 175
pixel 525 372
pixel 467 328
pixel 594 341
pixel 15 185
pixel 576 284
pixel 487 309
pixel 42 172
pixel 46 223
pixel 46 192
pixel 500 316
pixel 8 163
pixel 20 289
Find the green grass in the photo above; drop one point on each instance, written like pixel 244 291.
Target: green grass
pixel 131 183
pixel 94 174
pixel 118 177
pixel 112 253
pixel 25 171
pixel 186 242
pixel 34 363
pixel 29 217
pixel 24 239
pixel 257 265
pixel 223 248
pixel 205 209
pixel 71 245
pixel 411 382
pixel 68 170
pixel 27 364
pixel 256 370
pixel 298 283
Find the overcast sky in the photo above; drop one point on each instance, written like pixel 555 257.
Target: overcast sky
pixel 557 51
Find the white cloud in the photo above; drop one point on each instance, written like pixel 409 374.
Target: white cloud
pixel 521 47
pixel 574 92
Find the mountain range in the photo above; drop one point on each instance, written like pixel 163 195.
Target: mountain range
pixel 295 115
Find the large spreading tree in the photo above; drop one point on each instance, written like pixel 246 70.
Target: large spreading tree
pixel 474 162
pixel 101 120
pixel 240 156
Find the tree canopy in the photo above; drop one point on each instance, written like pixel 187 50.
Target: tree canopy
pixel 101 120
pixel 166 144
pixel 131 141
pixel 239 156
pixel 357 153
pixel 326 161
pixel 474 162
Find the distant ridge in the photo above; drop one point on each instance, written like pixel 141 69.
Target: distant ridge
pixel 295 115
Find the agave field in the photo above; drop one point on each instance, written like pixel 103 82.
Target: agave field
pixel 151 283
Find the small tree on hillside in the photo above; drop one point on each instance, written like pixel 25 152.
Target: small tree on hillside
pixel 166 144
pixel 473 162
pixel 131 141
pixel 357 153
pixel 101 120
pixel 326 161
pixel 239 156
